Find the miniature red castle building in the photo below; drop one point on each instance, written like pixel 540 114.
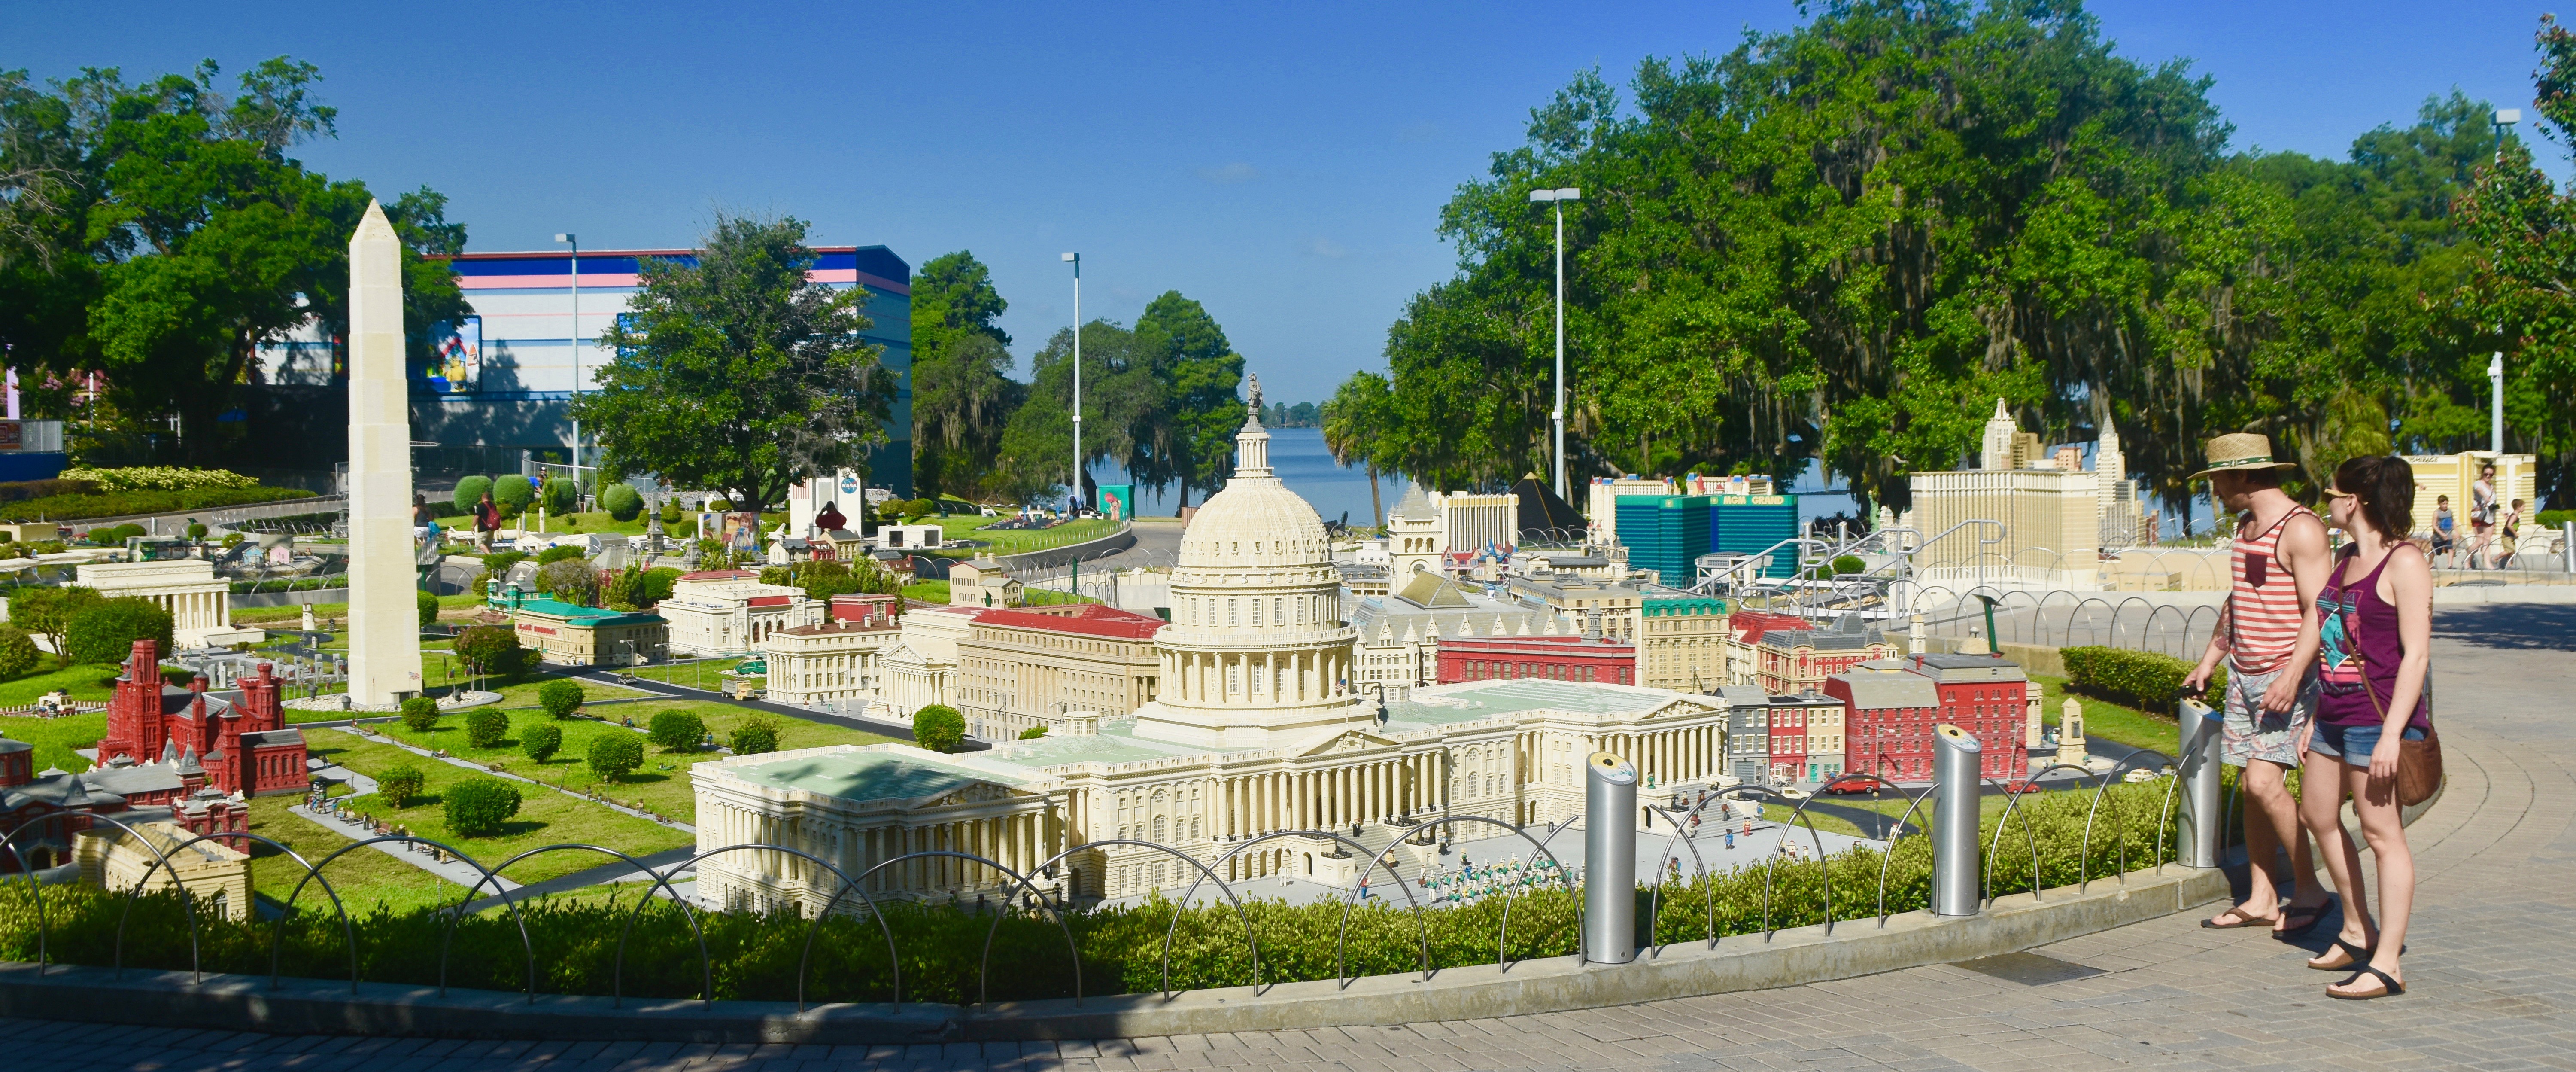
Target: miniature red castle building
pixel 237 742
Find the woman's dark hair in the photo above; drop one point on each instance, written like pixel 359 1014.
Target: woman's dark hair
pixel 2385 484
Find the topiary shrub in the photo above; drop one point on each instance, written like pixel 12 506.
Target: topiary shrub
pixel 479 807
pixel 513 494
pixel 677 730
pixel 399 783
pixel 428 605
pixel 621 501
pixel 486 727
pixel 106 633
pixel 1032 733
pixel 2141 679
pixel 420 714
pixel 469 491
pixel 561 553
pixel 492 650
pixel 540 741
pixel 561 495
pixel 671 512
pixel 18 654
pixel 561 697
pixel 757 734
pixel 615 754
pixel 197 530
pixel 938 728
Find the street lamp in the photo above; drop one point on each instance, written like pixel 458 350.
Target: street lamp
pixel 1075 259
pixel 575 241
pixel 2505 118
pixel 1559 197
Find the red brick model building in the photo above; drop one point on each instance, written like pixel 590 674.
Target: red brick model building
pixel 1557 658
pixel 1891 706
pixel 1792 720
pixel 238 739
pixel 1788 655
pixel 1988 697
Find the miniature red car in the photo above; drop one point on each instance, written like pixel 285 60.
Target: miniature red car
pixel 1852 783
pixel 2023 786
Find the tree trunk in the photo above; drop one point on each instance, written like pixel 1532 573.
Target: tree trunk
pixel 1377 507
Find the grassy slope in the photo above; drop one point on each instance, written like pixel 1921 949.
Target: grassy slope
pixel 55 738
pixel 86 681
pixel 2110 721
pixel 544 817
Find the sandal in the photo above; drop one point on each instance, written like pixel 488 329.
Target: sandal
pixel 2389 986
pixel 2297 921
pixel 2353 954
pixel 2243 919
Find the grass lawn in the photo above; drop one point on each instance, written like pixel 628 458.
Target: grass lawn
pixel 934 593
pixel 696 673
pixel 544 818
pixel 364 879
pixel 1013 541
pixel 86 681
pixel 661 786
pixel 55 738
pixel 2110 721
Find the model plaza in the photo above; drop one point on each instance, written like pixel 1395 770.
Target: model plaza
pixel 1256 732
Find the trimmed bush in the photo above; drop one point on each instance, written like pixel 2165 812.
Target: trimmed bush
pixel 428 606
pixel 2552 519
pixel 615 754
pixel 540 741
pixel 158 478
pixel 2146 680
pixel 486 727
pixel 938 728
pixel 513 494
pixel 399 783
pixel 18 654
pixel 1032 733
pixel 420 714
pixel 106 633
pixel 621 501
pixel 561 697
pixel 671 512
pixel 561 553
pixel 677 730
pixel 477 807
pixel 196 530
pixel 757 734
pixel 124 503
pixel 561 495
pixel 469 491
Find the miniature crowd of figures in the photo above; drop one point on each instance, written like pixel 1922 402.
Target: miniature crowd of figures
pixel 318 801
pixel 1467 883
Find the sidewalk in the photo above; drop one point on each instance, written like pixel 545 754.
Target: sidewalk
pixel 452 869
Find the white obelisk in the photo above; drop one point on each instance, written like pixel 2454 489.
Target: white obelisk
pixel 384 622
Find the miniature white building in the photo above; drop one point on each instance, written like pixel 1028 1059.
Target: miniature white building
pixel 200 603
pixel 828 662
pixel 911 537
pixel 921 668
pixel 729 612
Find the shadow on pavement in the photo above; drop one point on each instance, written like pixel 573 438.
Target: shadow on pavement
pixel 2511 626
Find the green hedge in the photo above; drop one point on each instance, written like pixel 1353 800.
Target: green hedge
pixel 2141 679
pixel 754 954
pixel 123 503
pixel 2551 519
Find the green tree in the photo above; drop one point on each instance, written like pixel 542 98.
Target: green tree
pixel 470 491
pixel 1202 376
pixel 756 734
pixel 614 754
pixel 572 581
pixel 561 697
pixel 48 613
pixel 1032 733
pixel 106 632
pixel 962 394
pixel 539 741
pixel 18 654
pixel 479 807
pixel 2526 276
pixel 561 495
pixel 621 501
pixel 677 730
pixel 491 650
pixel 513 494
pixel 1354 420
pixel 399 783
pixel 420 714
pixel 658 582
pixel 938 727
pixel 428 606
pixel 486 727
pixel 737 373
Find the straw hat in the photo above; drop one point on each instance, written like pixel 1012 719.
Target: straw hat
pixel 2240 450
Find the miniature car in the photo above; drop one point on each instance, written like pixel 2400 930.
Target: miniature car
pixel 1850 784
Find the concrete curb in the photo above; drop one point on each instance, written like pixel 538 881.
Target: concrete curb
pixel 1744 962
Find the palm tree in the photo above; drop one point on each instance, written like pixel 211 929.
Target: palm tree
pixel 1353 422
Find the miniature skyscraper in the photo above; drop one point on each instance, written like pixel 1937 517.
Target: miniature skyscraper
pixel 384 622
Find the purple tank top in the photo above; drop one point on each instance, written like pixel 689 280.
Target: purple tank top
pixel 2358 648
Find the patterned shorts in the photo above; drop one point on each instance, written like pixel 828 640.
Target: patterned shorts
pixel 2250 732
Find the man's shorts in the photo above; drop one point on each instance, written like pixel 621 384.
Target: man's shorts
pixel 2250 732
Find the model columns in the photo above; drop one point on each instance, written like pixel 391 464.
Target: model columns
pixel 384 633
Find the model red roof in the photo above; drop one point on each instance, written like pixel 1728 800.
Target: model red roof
pixel 718 575
pixel 1092 619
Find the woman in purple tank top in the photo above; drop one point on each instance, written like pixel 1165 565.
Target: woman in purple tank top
pixel 2374 633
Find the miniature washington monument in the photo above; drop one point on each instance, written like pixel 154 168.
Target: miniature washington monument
pixel 384 633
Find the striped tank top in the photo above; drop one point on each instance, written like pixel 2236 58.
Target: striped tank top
pixel 2263 606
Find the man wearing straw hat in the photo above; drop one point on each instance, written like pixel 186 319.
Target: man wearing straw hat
pixel 2267 632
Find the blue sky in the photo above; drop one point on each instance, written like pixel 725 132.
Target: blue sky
pixel 1283 164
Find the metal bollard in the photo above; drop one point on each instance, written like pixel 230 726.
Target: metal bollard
pixel 1609 860
pixel 1957 871
pixel 2200 831
pixel 2567 545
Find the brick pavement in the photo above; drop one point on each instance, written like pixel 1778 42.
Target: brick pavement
pixel 2491 981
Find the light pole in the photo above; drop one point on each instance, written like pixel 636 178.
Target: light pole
pixel 1559 198
pixel 575 242
pixel 2505 118
pixel 1075 259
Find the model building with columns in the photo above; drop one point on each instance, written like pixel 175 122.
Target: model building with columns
pixel 1255 729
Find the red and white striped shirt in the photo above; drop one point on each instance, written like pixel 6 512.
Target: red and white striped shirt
pixel 2263 616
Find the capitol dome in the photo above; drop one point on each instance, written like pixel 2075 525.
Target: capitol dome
pixel 1257 653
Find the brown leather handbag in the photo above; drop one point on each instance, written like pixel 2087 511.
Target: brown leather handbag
pixel 2419 763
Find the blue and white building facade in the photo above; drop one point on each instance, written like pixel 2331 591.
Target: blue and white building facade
pixel 502 381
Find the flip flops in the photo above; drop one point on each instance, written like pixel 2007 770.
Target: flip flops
pixel 2353 954
pixel 2243 919
pixel 2390 987
pixel 2295 928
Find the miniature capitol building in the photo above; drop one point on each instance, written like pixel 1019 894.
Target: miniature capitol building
pixel 1255 729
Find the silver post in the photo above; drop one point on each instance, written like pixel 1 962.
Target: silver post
pixel 1609 860
pixel 1956 874
pixel 2567 544
pixel 2201 834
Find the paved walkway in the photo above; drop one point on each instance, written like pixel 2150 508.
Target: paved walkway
pixel 2493 972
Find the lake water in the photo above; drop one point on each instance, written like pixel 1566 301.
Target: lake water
pixel 1299 457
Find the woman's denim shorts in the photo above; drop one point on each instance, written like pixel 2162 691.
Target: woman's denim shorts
pixel 2353 744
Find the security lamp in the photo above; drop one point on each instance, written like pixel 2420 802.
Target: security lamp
pixel 1569 193
pixel 563 238
pixel 2506 117
pixel 1072 257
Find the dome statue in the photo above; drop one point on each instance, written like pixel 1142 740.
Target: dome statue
pixel 1257 654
